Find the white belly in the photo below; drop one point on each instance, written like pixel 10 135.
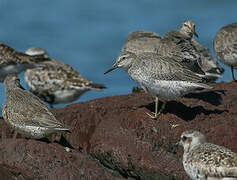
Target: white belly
pixel 66 96
pixel 169 89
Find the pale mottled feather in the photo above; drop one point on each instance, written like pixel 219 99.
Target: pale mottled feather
pixel 225 44
pixel 141 41
pixel 56 82
pixel 164 68
pixel 204 161
pixel 26 113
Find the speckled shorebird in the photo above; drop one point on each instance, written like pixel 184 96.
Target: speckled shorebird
pixel 145 41
pixel 56 82
pixel 141 41
pixel 195 56
pixel 208 63
pixel 161 76
pixel 26 113
pixel 225 46
pixel 206 161
pixel 12 61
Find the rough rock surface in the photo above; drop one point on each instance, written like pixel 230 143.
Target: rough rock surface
pixel 113 138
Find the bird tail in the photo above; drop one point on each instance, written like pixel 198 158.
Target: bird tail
pixel 203 86
pixel 97 86
pixel 68 129
pixel 213 75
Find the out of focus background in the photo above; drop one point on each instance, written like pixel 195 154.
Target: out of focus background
pixel 89 34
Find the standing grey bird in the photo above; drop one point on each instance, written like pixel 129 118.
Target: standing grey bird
pixel 225 46
pixel 144 41
pixel 206 161
pixel 141 41
pixel 26 113
pixel 56 82
pixel 12 61
pixel 161 76
pixel 195 56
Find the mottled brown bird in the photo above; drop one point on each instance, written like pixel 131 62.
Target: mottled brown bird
pixel 26 113
pixel 12 61
pixel 56 82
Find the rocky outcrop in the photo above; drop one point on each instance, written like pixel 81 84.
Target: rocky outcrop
pixel 113 138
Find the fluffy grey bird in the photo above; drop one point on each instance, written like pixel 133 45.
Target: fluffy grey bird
pixel 195 56
pixel 56 82
pixel 161 76
pixel 141 41
pixel 26 113
pixel 225 46
pixel 206 161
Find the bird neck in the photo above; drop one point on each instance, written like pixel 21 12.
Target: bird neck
pixel 185 33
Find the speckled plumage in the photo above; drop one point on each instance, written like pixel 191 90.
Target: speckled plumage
pixel 56 82
pixel 26 113
pixel 141 41
pixel 195 57
pixel 225 45
pixel 161 76
pixel 206 161
pixel 208 63
pixel 12 61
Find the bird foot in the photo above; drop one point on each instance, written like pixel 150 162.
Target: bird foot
pixel 153 115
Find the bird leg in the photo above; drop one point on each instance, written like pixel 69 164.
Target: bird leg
pixel 162 107
pixel 233 77
pixel 156 114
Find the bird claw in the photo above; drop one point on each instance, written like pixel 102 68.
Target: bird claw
pixel 153 115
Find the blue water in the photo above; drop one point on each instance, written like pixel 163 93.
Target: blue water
pixel 89 34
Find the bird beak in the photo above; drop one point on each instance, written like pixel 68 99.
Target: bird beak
pixel 195 34
pixel 111 69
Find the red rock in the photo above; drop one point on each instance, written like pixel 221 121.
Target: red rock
pixel 113 137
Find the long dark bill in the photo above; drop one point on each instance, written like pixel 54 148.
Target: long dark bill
pixel 111 69
pixel 195 34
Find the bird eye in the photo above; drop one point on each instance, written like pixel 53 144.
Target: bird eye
pixel 123 58
pixel 184 138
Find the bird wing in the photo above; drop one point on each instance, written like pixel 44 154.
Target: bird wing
pixel 165 68
pixel 54 76
pixel 142 34
pixel 183 51
pixel 215 161
pixel 23 106
pixel 225 41
pixel 7 55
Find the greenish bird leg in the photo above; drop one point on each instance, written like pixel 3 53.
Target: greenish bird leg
pixel 233 77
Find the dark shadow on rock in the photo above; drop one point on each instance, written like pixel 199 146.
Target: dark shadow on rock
pixel 182 111
pixel 46 140
pixel 65 143
pixel 212 97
